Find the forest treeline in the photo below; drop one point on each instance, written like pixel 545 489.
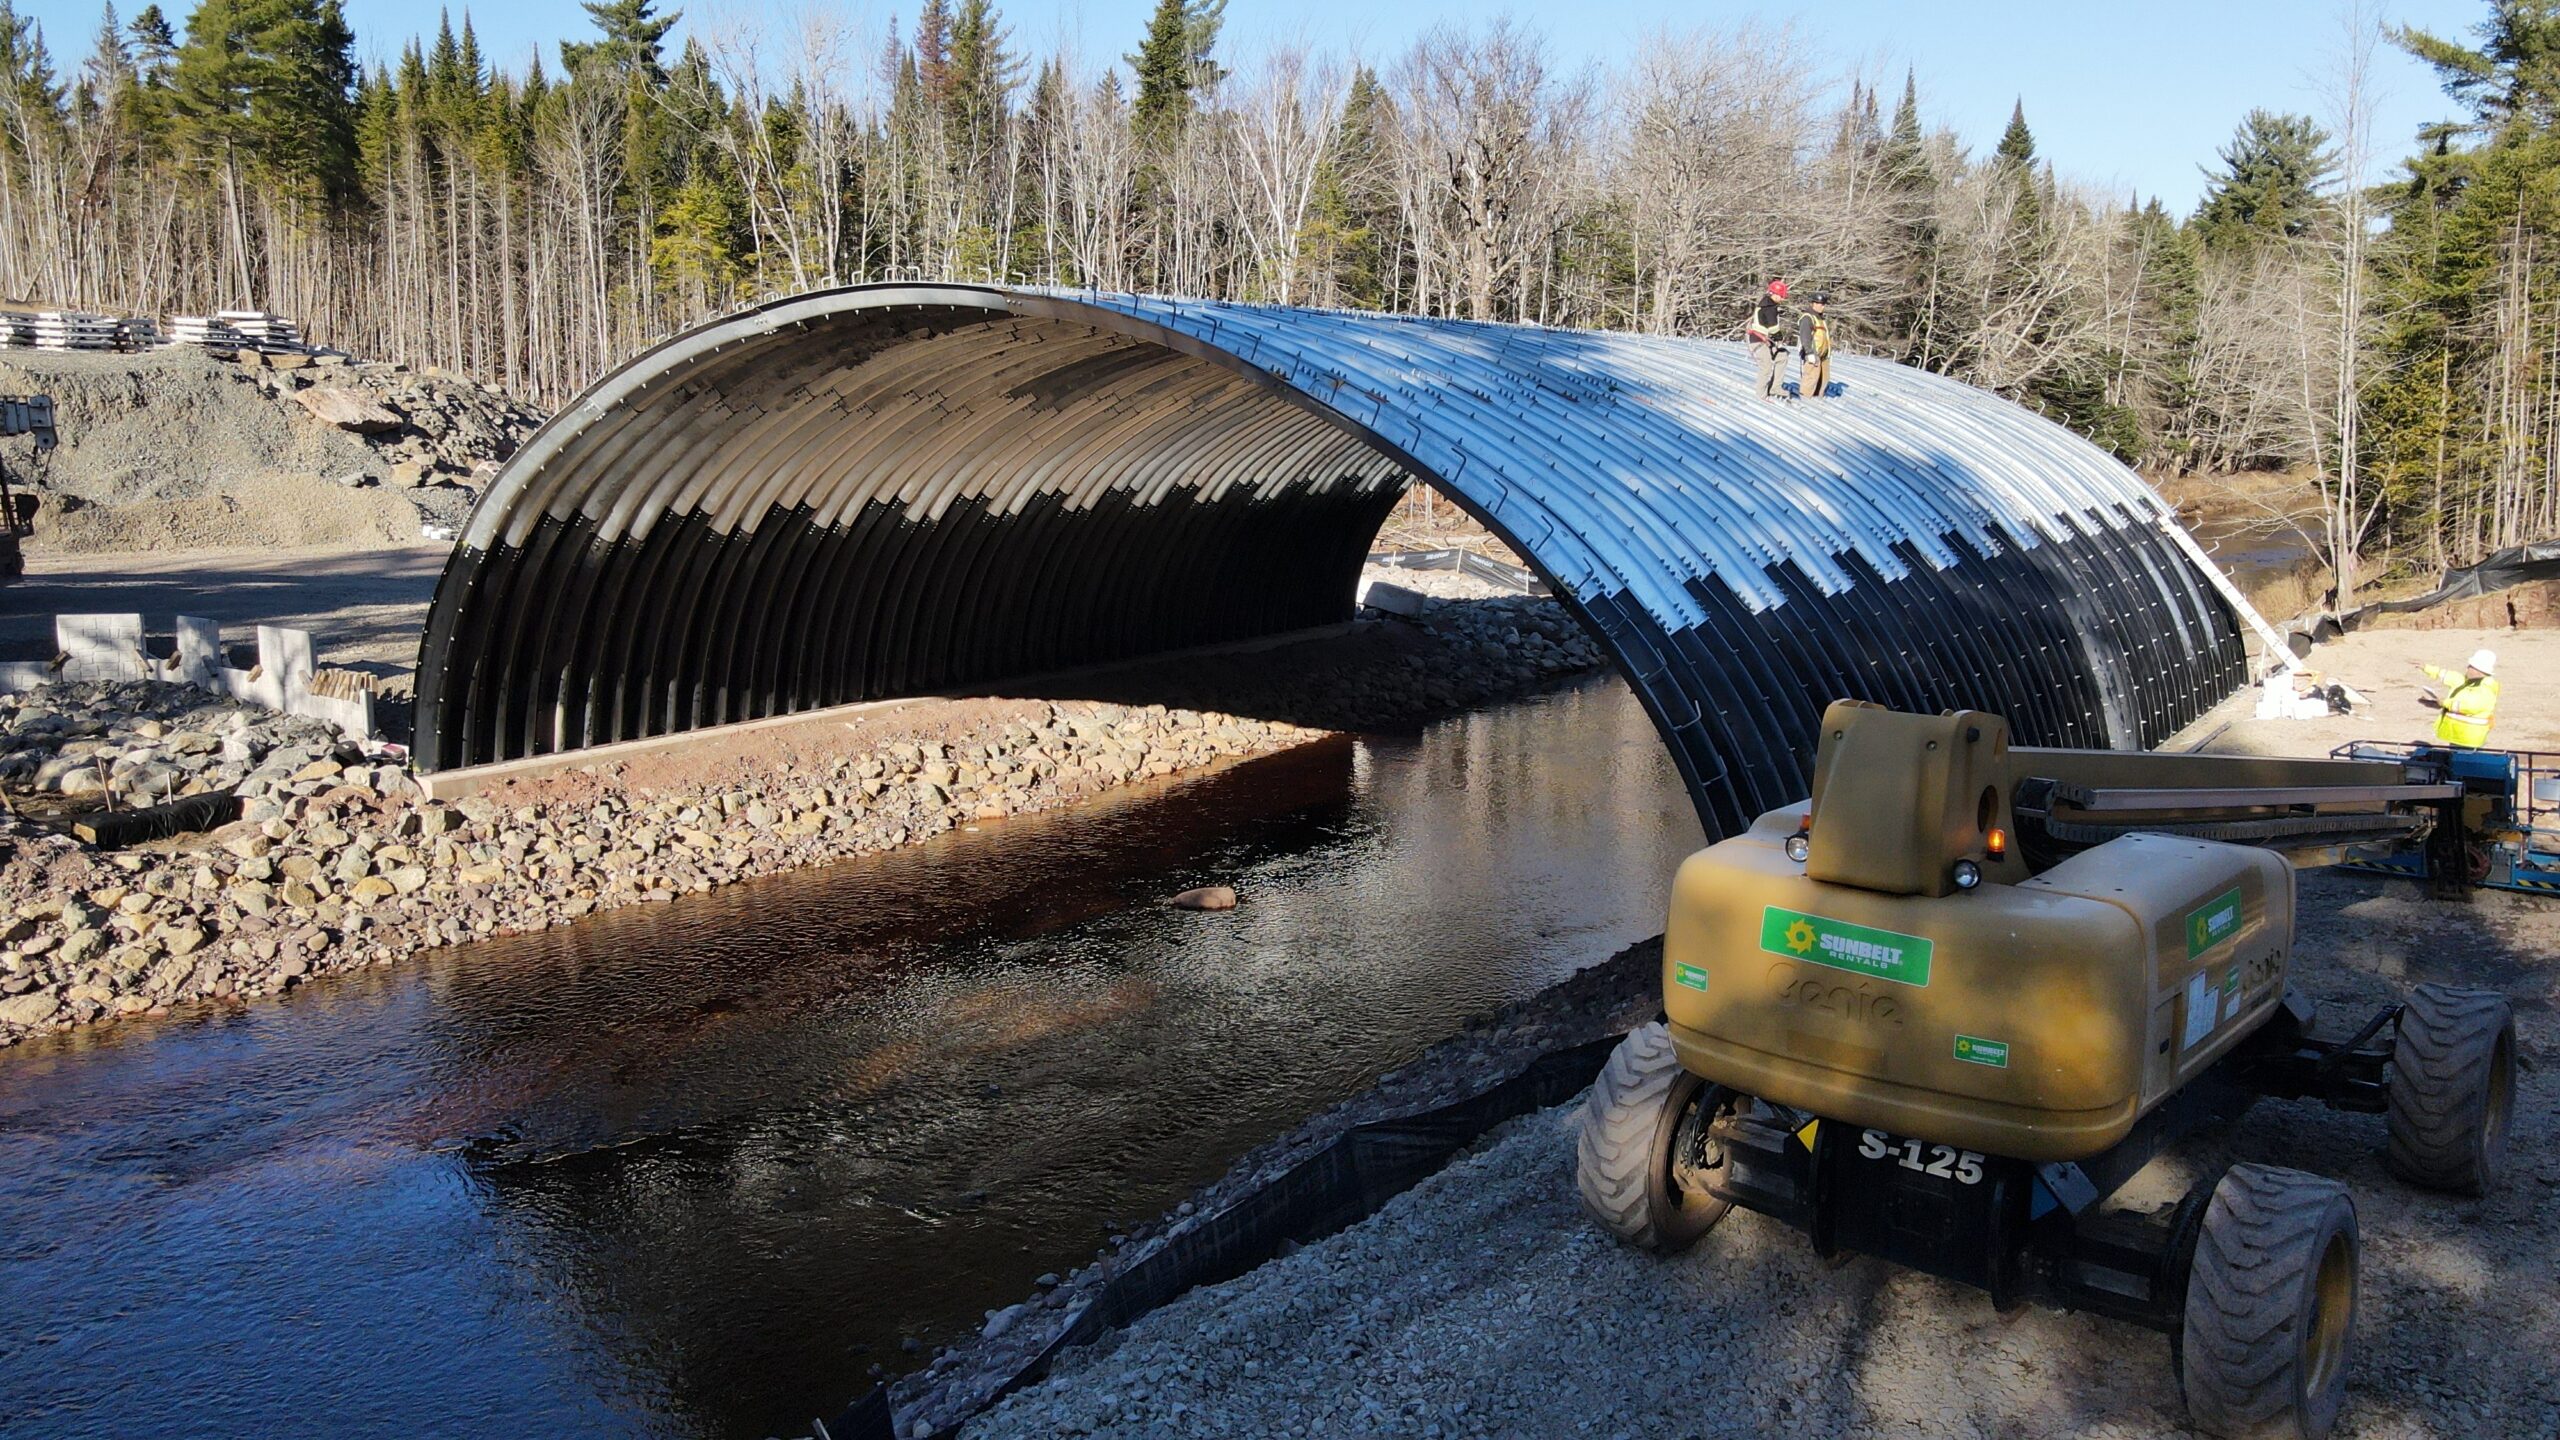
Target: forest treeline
pixel 2387 322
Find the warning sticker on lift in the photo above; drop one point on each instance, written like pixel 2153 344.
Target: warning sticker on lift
pixel 2218 921
pixel 1886 954
pixel 1689 975
pixel 2204 1008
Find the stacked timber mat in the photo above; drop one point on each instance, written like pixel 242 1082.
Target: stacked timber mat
pixel 271 334
pixel 208 331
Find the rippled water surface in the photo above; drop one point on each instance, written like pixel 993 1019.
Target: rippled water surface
pixel 691 1169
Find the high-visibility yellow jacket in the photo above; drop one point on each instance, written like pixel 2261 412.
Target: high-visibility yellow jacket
pixel 2469 707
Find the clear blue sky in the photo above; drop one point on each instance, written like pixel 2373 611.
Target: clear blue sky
pixel 2129 94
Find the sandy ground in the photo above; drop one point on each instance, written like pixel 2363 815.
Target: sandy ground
pixel 364 608
pixel 2382 665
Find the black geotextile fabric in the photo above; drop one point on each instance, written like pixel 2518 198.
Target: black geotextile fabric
pixel 2502 570
pixel 1346 1180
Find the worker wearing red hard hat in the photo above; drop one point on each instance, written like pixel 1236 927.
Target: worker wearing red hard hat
pixel 1767 324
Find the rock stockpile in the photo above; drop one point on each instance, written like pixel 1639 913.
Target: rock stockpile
pixel 137 743
pixel 336 866
pixel 178 449
pixel 336 862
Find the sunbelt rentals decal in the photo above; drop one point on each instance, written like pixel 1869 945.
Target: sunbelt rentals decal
pixel 2218 921
pixel 1858 949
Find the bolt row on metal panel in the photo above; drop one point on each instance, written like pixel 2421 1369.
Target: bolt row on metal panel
pixel 899 489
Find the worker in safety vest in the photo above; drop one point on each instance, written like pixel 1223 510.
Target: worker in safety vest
pixel 2470 700
pixel 1766 329
pixel 1813 350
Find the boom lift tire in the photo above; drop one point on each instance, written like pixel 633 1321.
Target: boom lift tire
pixel 1643 1149
pixel 2453 1068
pixel 2271 1306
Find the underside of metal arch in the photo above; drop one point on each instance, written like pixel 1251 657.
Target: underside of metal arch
pixel 903 489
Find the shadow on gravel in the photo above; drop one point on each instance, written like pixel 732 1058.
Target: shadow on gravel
pixel 364 608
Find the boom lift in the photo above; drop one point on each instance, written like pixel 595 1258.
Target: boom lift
pixel 1944 1011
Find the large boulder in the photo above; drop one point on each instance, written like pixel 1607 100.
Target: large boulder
pixel 350 410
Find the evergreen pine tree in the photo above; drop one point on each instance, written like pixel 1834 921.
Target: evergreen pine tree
pixel 983 75
pixel 155 45
pixel 266 88
pixel 1911 183
pixel 2268 185
pixel 26 67
pixel 106 87
pixel 633 34
pixel 2013 164
pixel 1344 240
pixel 933 52
pixel 1173 61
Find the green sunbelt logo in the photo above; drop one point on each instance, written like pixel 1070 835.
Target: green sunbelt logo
pixel 1859 949
pixel 1973 1049
pixel 1689 975
pixel 2214 923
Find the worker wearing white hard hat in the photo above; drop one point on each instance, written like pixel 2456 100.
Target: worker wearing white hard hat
pixel 2470 700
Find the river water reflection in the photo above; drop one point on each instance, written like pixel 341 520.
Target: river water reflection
pixel 691 1169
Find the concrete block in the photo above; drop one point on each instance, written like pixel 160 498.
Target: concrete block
pixel 101 647
pixel 285 655
pixel 199 653
pixel 1393 599
pixel 17 675
pixel 283 671
pixel 351 715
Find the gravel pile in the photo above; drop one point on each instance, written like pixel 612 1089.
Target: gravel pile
pixel 176 449
pixel 336 863
pixel 138 743
pixel 1484 1303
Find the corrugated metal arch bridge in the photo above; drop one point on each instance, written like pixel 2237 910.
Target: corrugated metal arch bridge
pixel 901 489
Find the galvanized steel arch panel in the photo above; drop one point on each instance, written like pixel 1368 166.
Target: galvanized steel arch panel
pixel 895 488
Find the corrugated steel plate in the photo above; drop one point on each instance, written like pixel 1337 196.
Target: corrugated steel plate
pixel 897 488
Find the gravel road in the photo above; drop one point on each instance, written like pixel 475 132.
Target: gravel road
pixel 1484 1303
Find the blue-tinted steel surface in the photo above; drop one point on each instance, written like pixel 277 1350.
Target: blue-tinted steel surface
pixel 893 489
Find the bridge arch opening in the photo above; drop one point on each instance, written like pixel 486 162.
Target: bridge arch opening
pixel 907 489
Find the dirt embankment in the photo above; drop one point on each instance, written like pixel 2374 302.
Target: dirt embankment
pixel 175 449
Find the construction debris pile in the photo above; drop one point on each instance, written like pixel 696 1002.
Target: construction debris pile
pixel 180 448
pixel 139 743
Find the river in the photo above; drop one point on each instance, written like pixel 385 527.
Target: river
pixel 690 1170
